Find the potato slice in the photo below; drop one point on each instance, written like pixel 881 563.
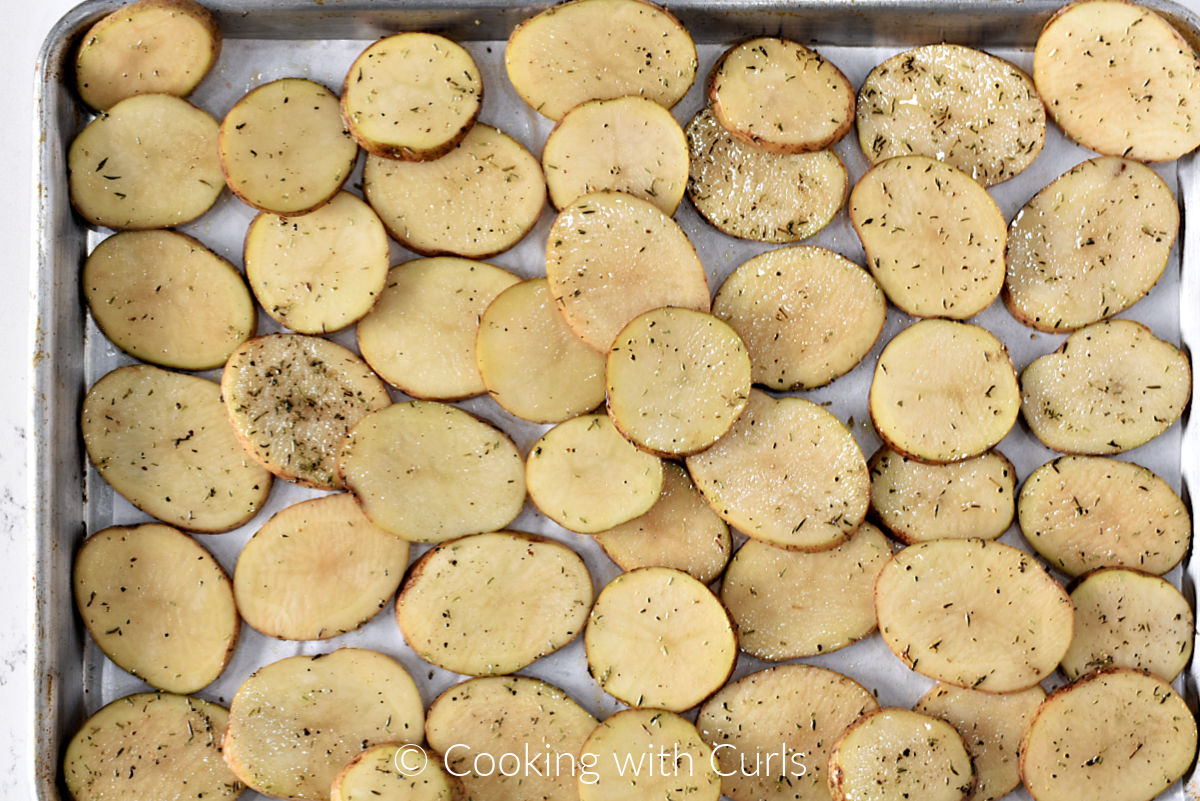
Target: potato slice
pixel 659 638
pixel 1089 245
pixel 788 473
pixel 621 746
pixel 120 163
pixel 917 502
pixel 468 474
pixel 421 334
pixel 784 719
pixel 611 256
pixel 934 238
pixel 1120 80
pixel 956 104
pixel 493 603
pixel 807 315
pixel 700 358
pixel 530 360
pixel 163 441
pixel 1112 386
pixel 944 391
pixel 479 199
pixel 1084 512
pixel 317 569
pixel 1117 734
pixel 778 95
pixel 164 298
pixel 411 96
pixel 392 772
pixel 599 50
pixel 973 613
pixel 295 723
pixel 292 399
pixel 585 476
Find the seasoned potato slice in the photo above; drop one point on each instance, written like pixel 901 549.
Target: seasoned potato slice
pixel 317 569
pixel 620 745
pixel 934 238
pixel 956 104
pixel 119 165
pixel 944 391
pixel 806 314
pixel 599 50
pixel 788 473
pixel 421 334
pixel 1117 734
pixel 493 603
pixel 1112 386
pixel 586 477
pixel 973 613
pixel 393 773
pixel 164 298
pixel 1089 245
pixel 163 441
pixel 1119 80
pixel 790 603
pixel 293 398
pixel 468 475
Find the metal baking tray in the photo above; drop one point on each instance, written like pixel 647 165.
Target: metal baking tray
pixel 265 39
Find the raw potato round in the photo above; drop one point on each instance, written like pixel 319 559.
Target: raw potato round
pixel 973 613
pixel 421 334
pixel 944 391
pixel 375 775
pixel 956 104
pixel 163 441
pixel 807 315
pixel 493 603
pixel 788 604
pixel 480 198
pixel 292 399
pixel 934 237
pixel 157 604
pixel 164 298
pixel 599 50
pixel 619 745
pixel 677 380
pixel 317 569
pixel 1089 245
pixel 120 164
pixel 788 473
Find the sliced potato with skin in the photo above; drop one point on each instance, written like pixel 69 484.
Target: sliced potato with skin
pixel 392 772
pixel 624 740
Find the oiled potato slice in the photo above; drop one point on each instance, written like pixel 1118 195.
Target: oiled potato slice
pixel 1128 737
pixel 1089 245
pixel 120 165
pixel 624 740
pixel 598 50
pixel 391 772
pixel 1084 512
pixel 611 256
pixel 1112 386
pixel 790 603
pixel 295 723
pixel 658 638
pixel 956 104
pixel 317 569
pixel 1119 80
pixel 493 603
pixel 163 441
pixel 421 334
pixel 806 314
pixel 973 613
pixel 411 96
pixel 468 475
pixel 934 237
pixel 164 298
pixel 293 398
pixel 944 391
pixel 788 473
pixel 586 477
pixel 480 198
pixel 530 360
